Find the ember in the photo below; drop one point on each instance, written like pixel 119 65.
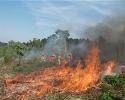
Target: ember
pixel 62 78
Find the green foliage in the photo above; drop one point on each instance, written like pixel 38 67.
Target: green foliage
pixel 53 36
pixel 1 51
pixel 12 51
pixel 40 64
pixel 27 70
pixel 107 95
pixel 62 33
pixel 7 59
pixel 35 98
pixel 15 68
pixel 1 64
pixel 6 53
pixel 56 96
pixel 36 43
pixel 72 98
pixel 113 80
pixel 18 50
pixel 31 65
pixel 123 70
pixel 18 47
pixel 117 85
pixel 36 64
pixel 118 82
pixel 106 87
pixel 110 95
pixel 121 82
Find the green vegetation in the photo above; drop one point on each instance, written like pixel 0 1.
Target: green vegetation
pixel 12 63
pixel 12 51
pixel 55 96
pixel 113 87
pixel 106 96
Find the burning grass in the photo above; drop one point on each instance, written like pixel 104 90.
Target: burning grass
pixel 62 78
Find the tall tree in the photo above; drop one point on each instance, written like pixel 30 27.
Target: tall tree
pixel 63 34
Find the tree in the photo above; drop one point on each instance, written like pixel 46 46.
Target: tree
pixel 43 42
pixel 63 34
pixel 18 49
pixel 54 36
pixel 101 40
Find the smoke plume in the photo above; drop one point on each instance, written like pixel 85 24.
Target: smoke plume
pixel 112 29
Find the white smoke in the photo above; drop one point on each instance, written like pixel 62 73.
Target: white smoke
pixel 2 58
pixel 116 71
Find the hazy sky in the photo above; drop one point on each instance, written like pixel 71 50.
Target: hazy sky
pixel 23 20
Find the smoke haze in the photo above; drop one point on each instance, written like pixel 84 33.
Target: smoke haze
pixel 112 29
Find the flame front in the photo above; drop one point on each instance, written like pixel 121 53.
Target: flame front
pixel 59 78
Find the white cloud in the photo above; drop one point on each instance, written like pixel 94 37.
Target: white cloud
pixel 102 11
pixel 70 15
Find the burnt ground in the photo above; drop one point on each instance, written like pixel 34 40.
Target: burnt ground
pixel 90 94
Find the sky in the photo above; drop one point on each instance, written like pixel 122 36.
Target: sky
pixel 23 20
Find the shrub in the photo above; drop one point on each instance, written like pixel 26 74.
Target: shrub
pixel 113 80
pixel 15 68
pixel 106 87
pixel 26 69
pixel 72 98
pixel 118 82
pixel 7 59
pixel 56 96
pixel 107 95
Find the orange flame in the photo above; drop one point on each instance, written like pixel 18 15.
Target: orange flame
pixel 57 78
pixel 110 66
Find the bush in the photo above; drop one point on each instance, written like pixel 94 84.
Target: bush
pixel 7 59
pixel 56 96
pixel 106 87
pixel 15 68
pixel 118 82
pixel 72 98
pixel 113 80
pixel 121 81
pixel 107 95
pixel 26 69
pixel 123 70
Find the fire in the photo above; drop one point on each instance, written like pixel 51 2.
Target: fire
pixel 110 66
pixel 62 78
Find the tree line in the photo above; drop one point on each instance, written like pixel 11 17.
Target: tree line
pixel 61 40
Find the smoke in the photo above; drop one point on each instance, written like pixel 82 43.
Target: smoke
pixel 117 70
pixel 32 53
pixel 79 52
pixel 112 29
pixel 2 58
pixel 53 46
pixel 37 53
